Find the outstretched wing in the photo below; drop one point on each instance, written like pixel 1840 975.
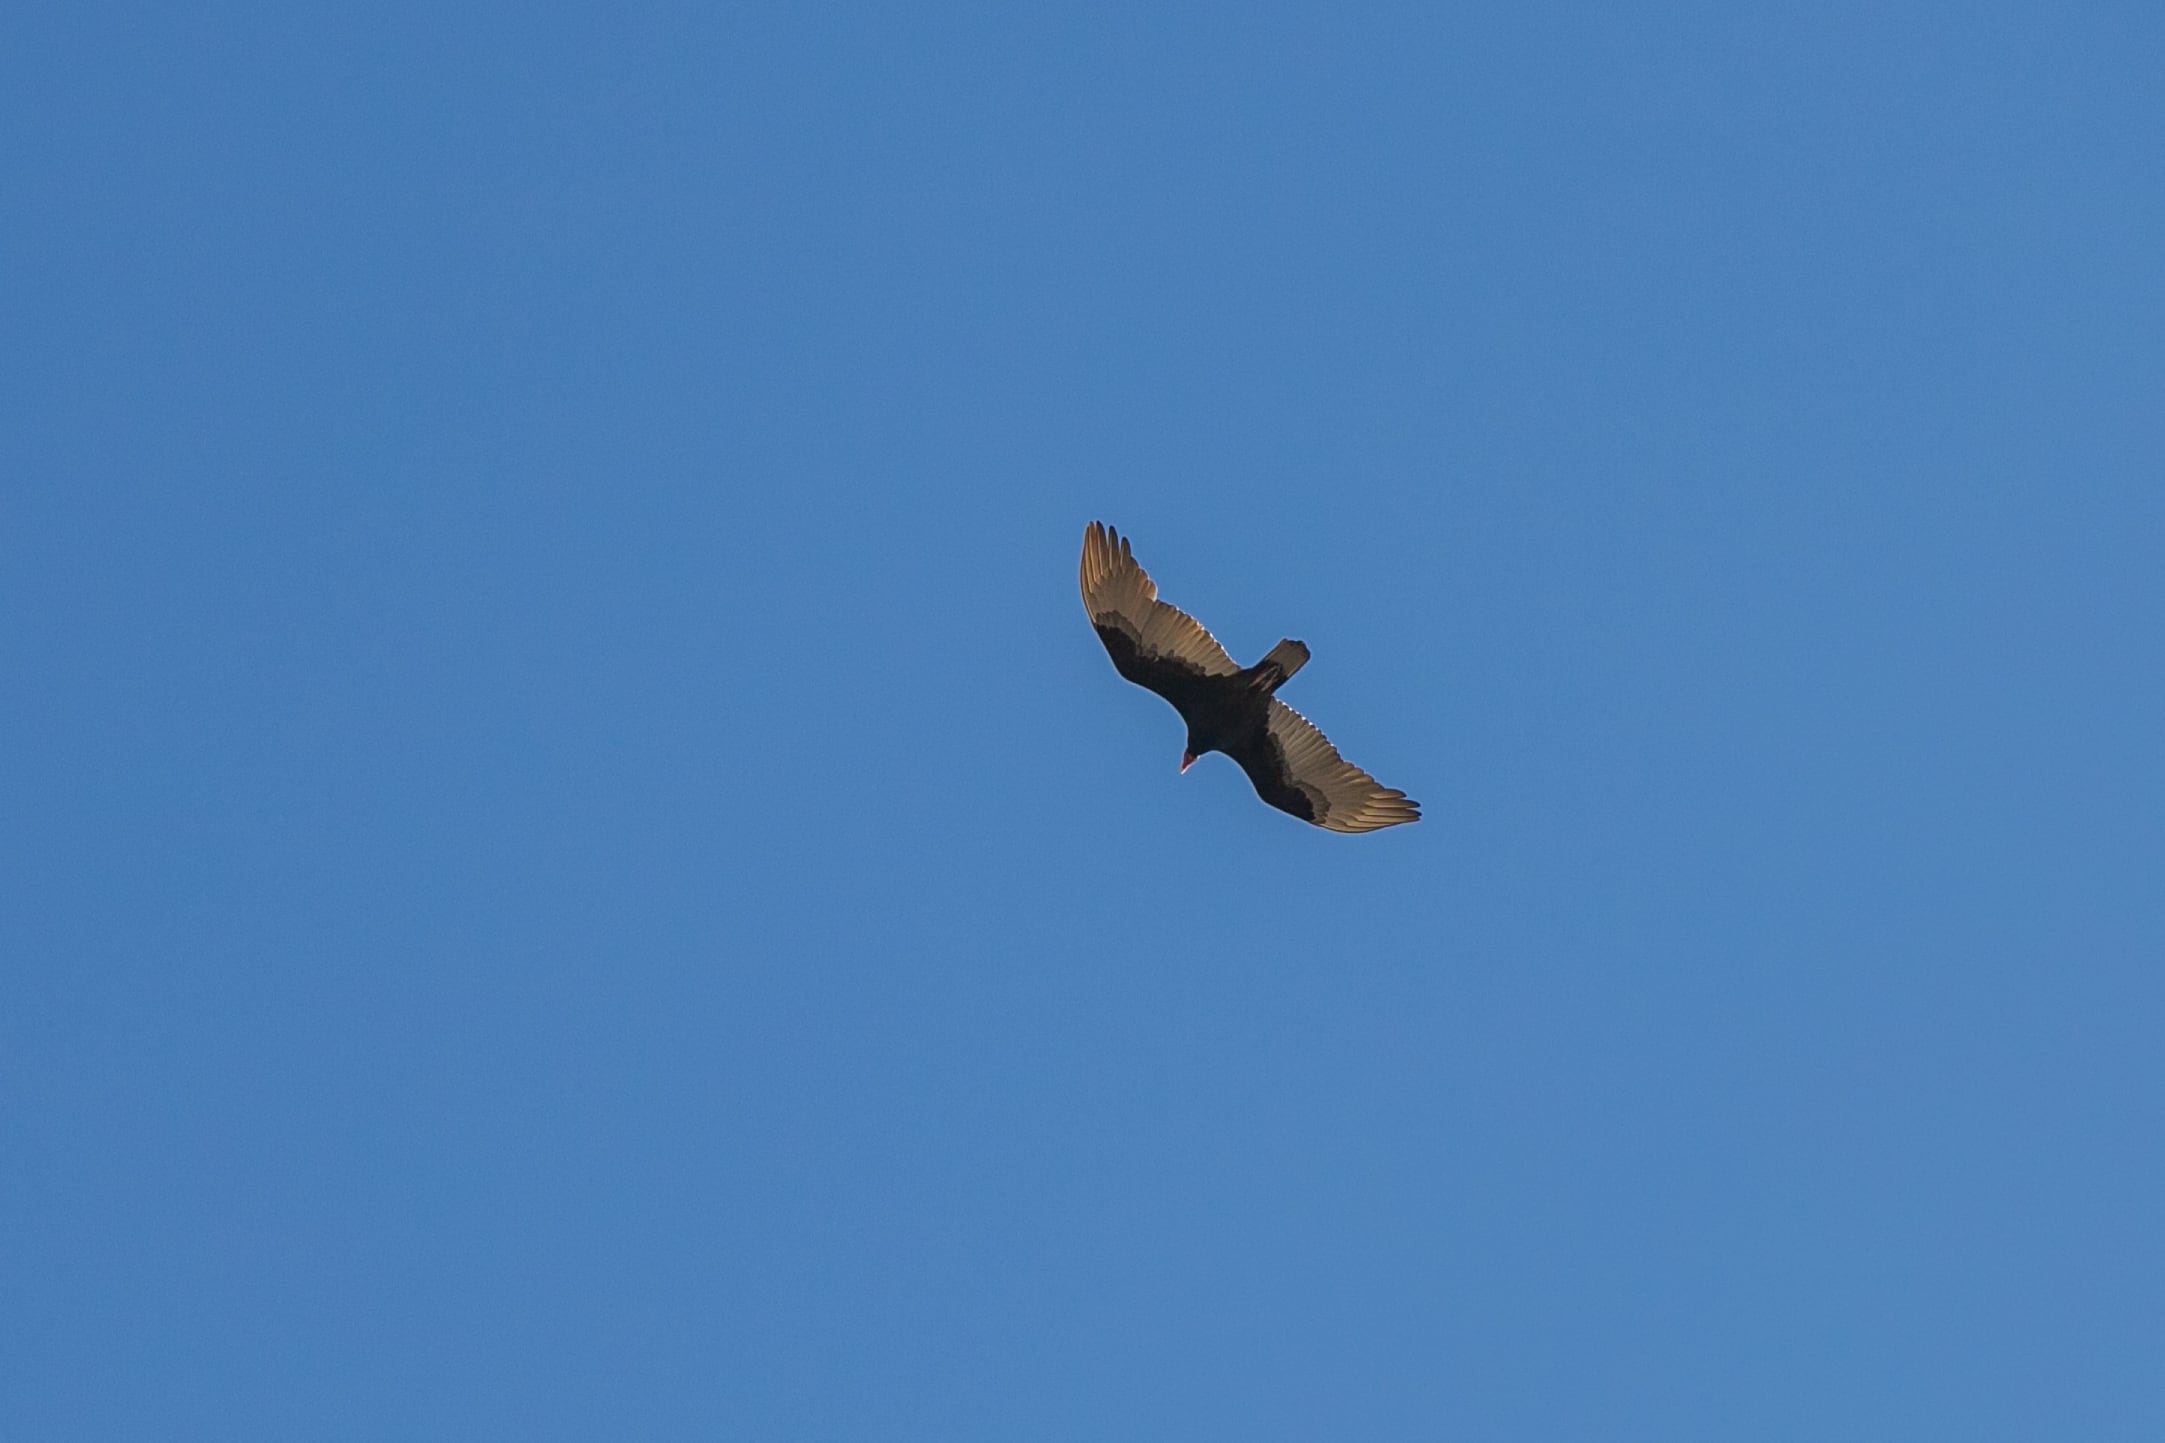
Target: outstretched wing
pixel 1296 769
pixel 1152 644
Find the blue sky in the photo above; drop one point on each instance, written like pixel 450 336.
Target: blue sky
pixel 575 868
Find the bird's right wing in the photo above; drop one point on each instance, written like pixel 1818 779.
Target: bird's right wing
pixel 1153 644
pixel 1296 769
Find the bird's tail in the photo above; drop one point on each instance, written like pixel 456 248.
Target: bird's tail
pixel 1286 657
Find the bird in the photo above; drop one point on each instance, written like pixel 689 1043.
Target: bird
pixel 1228 708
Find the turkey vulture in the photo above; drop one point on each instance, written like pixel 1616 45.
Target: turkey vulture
pixel 1228 709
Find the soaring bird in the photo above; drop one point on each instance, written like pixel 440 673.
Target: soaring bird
pixel 1228 708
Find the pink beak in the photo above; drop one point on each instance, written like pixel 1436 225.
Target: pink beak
pixel 1187 760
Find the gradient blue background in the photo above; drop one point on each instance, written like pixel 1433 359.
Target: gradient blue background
pixel 574 870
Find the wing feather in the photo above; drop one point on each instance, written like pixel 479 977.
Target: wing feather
pixel 1296 769
pixel 1120 597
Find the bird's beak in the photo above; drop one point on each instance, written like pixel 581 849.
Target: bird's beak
pixel 1187 760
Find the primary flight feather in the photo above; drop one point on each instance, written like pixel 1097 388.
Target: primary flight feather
pixel 1229 708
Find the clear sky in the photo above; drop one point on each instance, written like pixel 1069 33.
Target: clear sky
pixel 573 868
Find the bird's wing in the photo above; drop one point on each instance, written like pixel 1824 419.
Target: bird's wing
pixel 1296 769
pixel 1152 643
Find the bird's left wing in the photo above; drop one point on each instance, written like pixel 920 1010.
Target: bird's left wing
pixel 1296 769
pixel 1152 643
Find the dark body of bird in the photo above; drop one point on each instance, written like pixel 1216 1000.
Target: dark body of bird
pixel 1228 708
